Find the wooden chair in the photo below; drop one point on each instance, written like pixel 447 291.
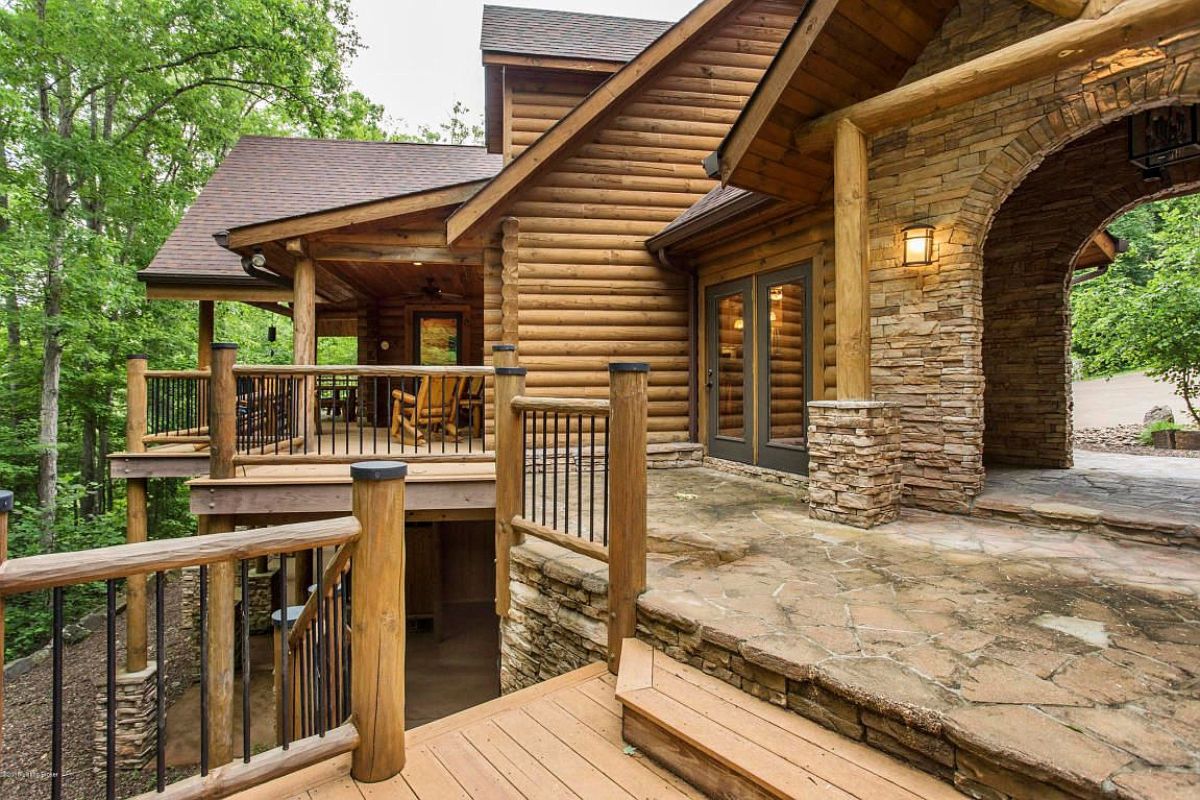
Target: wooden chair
pixel 433 407
pixel 470 404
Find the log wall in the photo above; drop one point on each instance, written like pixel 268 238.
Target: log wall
pixel 589 291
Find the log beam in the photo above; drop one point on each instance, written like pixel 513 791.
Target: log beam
pixel 1084 40
pixel 851 253
pixel 135 513
pixel 1067 9
pixel 394 254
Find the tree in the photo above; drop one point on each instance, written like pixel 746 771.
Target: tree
pixel 115 112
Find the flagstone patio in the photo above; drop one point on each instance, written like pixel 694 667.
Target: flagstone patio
pixel 992 652
pixel 1146 498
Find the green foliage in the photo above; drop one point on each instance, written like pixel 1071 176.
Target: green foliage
pixel 1144 313
pixel 1146 437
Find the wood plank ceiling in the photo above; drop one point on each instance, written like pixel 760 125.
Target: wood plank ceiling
pixel 864 48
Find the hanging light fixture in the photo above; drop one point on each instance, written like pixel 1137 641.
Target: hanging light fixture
pixel 918 245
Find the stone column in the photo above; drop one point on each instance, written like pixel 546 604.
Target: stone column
pixel 854 461
pixel 137 698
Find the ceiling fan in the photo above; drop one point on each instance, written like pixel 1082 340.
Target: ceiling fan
pixel 433 291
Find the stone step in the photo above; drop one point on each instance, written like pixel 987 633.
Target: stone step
pixel 1069 514
pixel 729 744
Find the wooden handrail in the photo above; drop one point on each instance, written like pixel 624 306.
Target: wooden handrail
pixel 365 371
pixel 181 374
pixel 339 564
pixel 35 573
pixel 572 543
pixel 562 405
pixel 228 780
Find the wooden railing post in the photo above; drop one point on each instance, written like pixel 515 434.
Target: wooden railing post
pixel 510 474
pixel 135 513
pixel 627 501
pixel 222 428
pixel 222 411
pixel 378 642
pixel 6 506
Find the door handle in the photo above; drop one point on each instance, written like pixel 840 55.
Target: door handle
pixel 708 382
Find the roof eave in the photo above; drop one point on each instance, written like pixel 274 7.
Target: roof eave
pixel 707 221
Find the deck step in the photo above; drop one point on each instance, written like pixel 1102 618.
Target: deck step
pixel 731 745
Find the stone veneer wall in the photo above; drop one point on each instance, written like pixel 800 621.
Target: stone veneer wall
pixel 1027 264
pixel 556 622
pixel 953 169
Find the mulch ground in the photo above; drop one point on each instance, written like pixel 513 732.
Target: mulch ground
pixel 25 765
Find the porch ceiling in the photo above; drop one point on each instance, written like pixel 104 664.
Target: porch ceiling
pixel 841 52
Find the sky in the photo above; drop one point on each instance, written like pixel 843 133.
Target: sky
pixel 419 56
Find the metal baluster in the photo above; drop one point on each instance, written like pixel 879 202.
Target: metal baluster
pixel 245 576
pixel 555 510
pixel 545 465
pixel 285 694
pixel 203 669
pixel 160 687
pixel 566 477
pixel 592 483
pixel 56 698
pixel 110 699
pixel 524 465
pixel 579 481
pixel 322 671
pixel 605 532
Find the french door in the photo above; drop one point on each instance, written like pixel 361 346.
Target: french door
pixel 759 369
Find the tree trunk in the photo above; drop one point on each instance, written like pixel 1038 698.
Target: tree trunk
pixel 89 505
pixel 47 485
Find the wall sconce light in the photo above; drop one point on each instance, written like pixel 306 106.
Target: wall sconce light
pixel 918 245
pixel 739 324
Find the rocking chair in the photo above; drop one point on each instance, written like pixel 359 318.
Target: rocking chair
pixel 433 407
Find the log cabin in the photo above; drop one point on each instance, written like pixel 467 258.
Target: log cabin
pixel 824 238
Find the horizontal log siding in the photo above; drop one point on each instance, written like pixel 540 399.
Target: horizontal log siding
pixel 590 292
pixel 538 101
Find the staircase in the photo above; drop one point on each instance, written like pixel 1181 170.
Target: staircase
pixel 731 745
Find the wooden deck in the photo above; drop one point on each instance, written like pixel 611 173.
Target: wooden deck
pixel 436 490
pixel 570 738
pixel 558 740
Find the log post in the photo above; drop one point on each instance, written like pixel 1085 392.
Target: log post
pixel 627 420
pixel 851 254
pixel 378 643
pixel 510 471
pixel 304 337
pixel 6 506
pixel 206 324
pixel 135 514
pixel 222 426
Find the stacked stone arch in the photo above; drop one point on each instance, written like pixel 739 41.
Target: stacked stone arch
pixel 948 344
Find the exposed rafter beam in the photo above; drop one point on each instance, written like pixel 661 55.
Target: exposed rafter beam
pixel 251 235
pixel 1067 9
pixel 1132 22
pixel 387 254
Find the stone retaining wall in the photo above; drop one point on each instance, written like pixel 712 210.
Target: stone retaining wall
pixel 556 621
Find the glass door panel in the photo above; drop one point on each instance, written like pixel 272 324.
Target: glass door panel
pixel 784 313
pixel 437 339
pixel 729 379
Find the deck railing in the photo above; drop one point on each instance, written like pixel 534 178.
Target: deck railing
pixel 351 678
pixel 338 415
pixel 165 407
pixel 573 472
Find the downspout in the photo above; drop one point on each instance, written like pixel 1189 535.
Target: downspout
pixel 693 344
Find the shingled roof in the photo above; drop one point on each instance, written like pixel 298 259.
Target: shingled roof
pixel 566 34
pixel 266 178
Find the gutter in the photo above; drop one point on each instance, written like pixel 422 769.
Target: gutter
pixel 708 220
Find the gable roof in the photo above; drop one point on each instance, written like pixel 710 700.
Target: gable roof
pixel 538 157
pixel 265 179
pixel 566 34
